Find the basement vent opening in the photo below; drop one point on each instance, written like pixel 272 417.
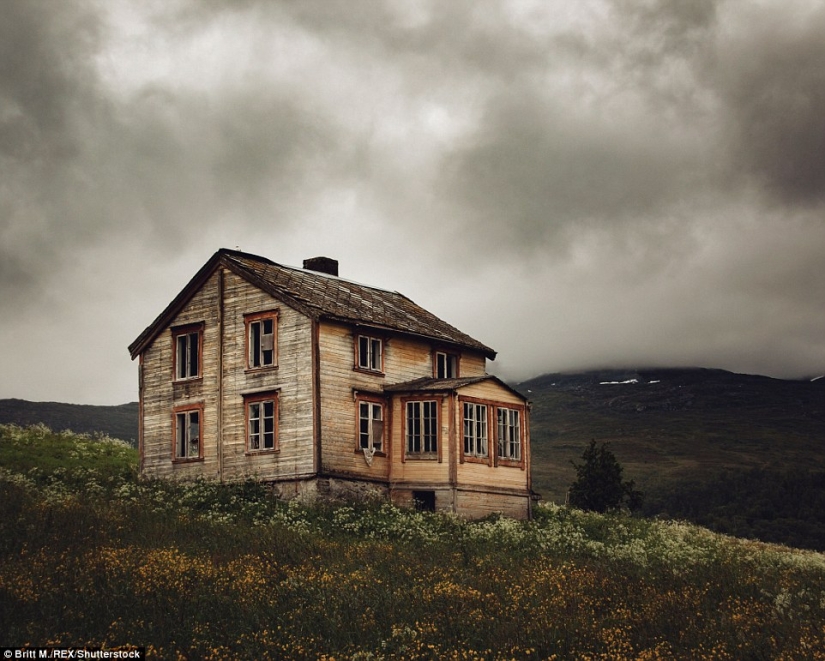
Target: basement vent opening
pixel 424 501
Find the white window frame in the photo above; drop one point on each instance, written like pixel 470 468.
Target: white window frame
pixel 476 434
pixel 370 353
pixel 421 417
pixel 370 425
pixel 508 423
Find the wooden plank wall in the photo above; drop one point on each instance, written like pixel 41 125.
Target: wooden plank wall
pixel 161 394
pixel 292 379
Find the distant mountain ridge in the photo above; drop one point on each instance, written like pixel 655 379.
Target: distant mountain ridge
pixel 685 436
pixel 115 421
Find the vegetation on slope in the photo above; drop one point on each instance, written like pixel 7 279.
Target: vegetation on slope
pixel 91 555
pixel 693 440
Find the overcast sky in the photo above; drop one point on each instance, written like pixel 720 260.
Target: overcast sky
pixel 576 184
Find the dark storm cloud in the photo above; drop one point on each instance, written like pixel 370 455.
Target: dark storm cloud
pixel 45 85
pixel 79 165
pixel 771 76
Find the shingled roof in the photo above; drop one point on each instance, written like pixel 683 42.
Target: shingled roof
pixel 319 296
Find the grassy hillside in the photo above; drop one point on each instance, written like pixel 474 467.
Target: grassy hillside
pixel 115 421
pixel 685 436
pixel 89 555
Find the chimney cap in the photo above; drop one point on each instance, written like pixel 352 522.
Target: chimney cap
pixel 322 265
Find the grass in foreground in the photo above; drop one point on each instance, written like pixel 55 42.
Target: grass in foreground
pixel 91 555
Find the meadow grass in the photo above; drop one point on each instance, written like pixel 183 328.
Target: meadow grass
pixel 91 555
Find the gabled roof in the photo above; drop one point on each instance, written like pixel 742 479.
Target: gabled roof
pixel 318 296
pixel 431 384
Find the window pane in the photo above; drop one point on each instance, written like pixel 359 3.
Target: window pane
pixel 255 344
pixel 375 355
pixel 413 427
pixel 181 356
pixel 363 351
pixel 377 433
pixel 363 425
pixel 194 368
pixel 254 426
pixel 180 431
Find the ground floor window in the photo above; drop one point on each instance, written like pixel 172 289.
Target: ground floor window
pixel 188 425
pixel 262 422
pixel 509 434
pixel 422 427
pixel 475 430
pixel 370 426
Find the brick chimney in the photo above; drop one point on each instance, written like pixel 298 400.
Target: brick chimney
pixel 322 265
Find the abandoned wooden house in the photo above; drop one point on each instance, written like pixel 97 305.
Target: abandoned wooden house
pixel 322 386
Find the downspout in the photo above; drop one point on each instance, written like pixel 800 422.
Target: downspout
pixel 220 372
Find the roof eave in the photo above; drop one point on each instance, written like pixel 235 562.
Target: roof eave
pixel 478 346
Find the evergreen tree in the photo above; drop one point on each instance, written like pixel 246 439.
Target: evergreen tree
pixel 598 485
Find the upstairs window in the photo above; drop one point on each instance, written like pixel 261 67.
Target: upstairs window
pixel 422 427
pixel 188 424
pixel 370 426
pixel 475 430
pixel 260 339
pixel 509 434
pixel 370 352
pixel 446 365
pixel 261 423
pixel 187 350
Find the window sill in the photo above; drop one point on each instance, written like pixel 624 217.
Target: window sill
pixel 420 456
pixel 364 370
pixel 185 460
pixel 257 453
pixel 191 379
pixel 261 370
pixel 509 463
pixel 472 459
pixel 377 453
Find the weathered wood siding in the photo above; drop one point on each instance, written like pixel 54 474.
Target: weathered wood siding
pixel 405 359
pixel 338 380
pixel 292 379
pixel 161 394
pixel 472 365
pixel 483 474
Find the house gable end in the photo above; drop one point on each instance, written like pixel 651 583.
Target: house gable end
pixel 219 259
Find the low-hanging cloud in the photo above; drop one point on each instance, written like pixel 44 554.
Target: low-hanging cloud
pixel 607 182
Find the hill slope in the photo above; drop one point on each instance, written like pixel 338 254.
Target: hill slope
pixel 115 421
pixel 692 439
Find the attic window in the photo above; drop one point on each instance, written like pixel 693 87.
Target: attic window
pixel 370 354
